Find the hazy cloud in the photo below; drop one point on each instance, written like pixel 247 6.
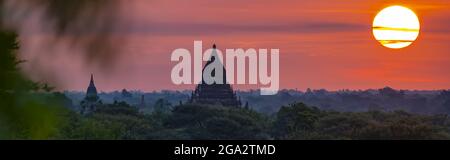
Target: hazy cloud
pixel 217 29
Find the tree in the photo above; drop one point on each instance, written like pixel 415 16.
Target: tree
pixel 295 118
pixel 111 122
pixel 25 111
pixel 217 122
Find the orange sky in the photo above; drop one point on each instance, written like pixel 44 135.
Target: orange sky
pixel 323 43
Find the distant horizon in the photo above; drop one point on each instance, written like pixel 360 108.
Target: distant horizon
pixel 256 90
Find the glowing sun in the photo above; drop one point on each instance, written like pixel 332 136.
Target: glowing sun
pixel 396 27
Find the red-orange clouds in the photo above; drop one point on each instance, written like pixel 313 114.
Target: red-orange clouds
pixel 323 43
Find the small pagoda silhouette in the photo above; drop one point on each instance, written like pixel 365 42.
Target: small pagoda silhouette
pixel 91 101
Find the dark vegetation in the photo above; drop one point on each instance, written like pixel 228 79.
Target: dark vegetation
pixel 27 110
pixel 296 121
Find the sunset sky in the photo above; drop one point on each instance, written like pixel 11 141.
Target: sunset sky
pixel 323 44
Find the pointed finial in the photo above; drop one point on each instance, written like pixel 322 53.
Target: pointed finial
pixel 91 83
pixel 92 78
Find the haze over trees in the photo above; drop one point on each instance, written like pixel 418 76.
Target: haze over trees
pixel 385 99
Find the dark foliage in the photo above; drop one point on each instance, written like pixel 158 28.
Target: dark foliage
pixel 27 109
pixel 301 122
pixel 297 121
pixel 215 122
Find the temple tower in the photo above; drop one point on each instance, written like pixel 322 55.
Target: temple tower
pixel 215 94
pixel 91 101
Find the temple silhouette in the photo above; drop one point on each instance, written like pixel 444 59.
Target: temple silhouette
pixel 91 101
pixel 215 94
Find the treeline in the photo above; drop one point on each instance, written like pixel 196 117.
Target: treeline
pixel 299 121
pixel 385 99
pixel 296 121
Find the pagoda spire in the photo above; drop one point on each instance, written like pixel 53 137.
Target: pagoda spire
pixel 92 79
pixel 91 90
